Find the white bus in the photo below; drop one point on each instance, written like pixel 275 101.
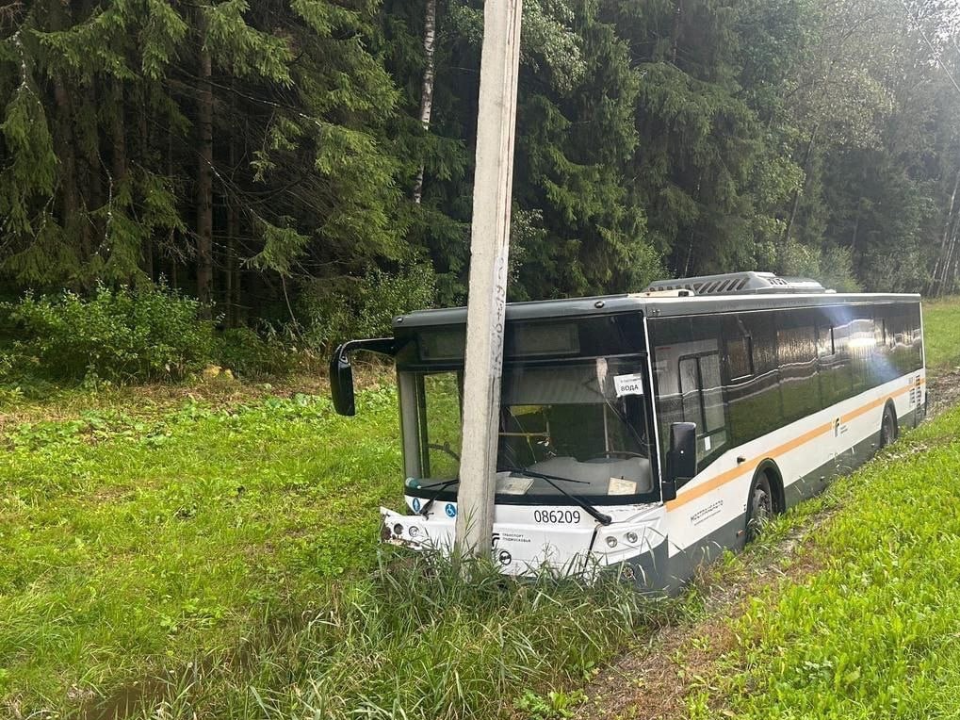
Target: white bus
pixel 652 430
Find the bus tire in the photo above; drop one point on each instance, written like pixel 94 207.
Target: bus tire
pixel 762 503
pixel 888 427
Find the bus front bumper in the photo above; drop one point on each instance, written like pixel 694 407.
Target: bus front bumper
pixel 525 541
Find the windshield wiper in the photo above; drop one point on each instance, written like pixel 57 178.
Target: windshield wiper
pixel 591 510
pixel 441 486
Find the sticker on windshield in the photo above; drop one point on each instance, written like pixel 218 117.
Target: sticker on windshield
pixel 619 486
pixel 628 384
pixel 512 484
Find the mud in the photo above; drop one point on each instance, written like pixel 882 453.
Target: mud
pixel 944 391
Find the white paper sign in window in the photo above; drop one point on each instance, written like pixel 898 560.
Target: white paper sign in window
pixel 619 486
pixel 628 384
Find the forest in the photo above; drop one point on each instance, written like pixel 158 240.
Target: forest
pixel 308 165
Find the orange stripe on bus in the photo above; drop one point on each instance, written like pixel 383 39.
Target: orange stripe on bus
pixel 745 467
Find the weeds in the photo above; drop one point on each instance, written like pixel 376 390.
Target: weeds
pixel 941 320
pixel 556 704
pixel 872 632
pixel 116 335
pixel 424 638
pixel 125 538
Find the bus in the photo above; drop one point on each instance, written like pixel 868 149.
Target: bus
pixel 651 430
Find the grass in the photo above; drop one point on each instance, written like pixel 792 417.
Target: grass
pixel 214 554
pixel 941 320
pixel 872 632
pixel 125 540
pixel 421 640
pixel 208 559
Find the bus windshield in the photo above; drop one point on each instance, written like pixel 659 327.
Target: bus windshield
pixel 582 424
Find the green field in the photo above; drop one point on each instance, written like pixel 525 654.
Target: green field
pixel 872 633
pixel 941 324
pixel 127 538
pixel 217 556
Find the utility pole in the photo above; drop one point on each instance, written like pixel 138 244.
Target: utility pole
pixel 489 251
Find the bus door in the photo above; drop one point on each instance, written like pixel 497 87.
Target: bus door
pixel 689 389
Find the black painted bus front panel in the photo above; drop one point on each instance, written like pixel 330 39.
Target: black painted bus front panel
pixel 595 336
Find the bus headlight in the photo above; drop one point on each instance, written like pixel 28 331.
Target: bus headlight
pixel 631 537
pixel 414 531
pixel 398 529
pixel 611 541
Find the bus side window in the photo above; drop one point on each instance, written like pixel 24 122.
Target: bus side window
pixel 797 360
pixel 752 382
pixel 740 357
pixel 712 390
pixel 825 343
pixel 690 392
pixel 701 396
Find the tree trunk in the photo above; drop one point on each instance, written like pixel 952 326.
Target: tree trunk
pixel 796 199
pixel 856 227
pixel 118 170
pixel 231 271
pixel 426 89
pixel 949 275
pixel 171 248
pixel 64 139
pixel 118 132
pixel 675 33
pixel 205 177
pixel 146 251
pixel 940 267
pixel 92 184
pixel 68 163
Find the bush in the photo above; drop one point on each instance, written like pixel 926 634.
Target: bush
pixel 832 266
pixel 244 351
pixel 117 335
pixel 345 308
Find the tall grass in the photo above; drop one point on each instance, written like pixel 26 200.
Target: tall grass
pixel 126 539
pixel 941 325
pixel 425 638
pixel 872 633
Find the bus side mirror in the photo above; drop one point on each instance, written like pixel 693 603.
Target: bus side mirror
pixel 681 458
pixel 341 372
pixel 341 382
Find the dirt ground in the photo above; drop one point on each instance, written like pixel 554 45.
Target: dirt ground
pixel 653 682
pixel 944 390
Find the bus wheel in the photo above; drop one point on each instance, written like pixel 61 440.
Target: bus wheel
pixel 760 505
pixel 888 428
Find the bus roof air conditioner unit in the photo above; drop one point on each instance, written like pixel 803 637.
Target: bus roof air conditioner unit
pixel 741 283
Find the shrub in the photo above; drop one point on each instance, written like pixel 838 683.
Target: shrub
pixel 248 353
pixel 118 335
pixel 344 308
pixel 832 266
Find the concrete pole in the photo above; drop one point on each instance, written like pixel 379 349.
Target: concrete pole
pixel 489 251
